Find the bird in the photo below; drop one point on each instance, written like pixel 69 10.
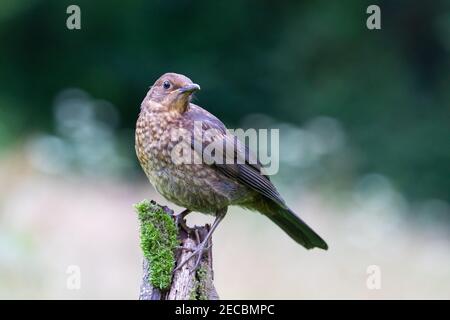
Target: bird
pixel 166 124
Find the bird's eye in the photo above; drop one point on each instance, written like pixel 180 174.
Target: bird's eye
pixel 166 84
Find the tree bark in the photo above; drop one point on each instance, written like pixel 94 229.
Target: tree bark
pixel 186 284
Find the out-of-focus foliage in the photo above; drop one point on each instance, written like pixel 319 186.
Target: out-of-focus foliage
pixel 364 119
pixel 292 61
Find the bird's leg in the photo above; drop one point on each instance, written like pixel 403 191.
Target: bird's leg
pixel 180 219
pixel 183 213
pixel 204 244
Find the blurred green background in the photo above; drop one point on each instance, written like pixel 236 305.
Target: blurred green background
pixel 364 119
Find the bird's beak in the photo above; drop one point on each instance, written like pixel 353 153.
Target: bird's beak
pixel 189 88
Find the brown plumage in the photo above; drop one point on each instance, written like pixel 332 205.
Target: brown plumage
pixel 167 115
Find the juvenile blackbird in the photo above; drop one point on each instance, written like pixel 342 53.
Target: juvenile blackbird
pixel 205 186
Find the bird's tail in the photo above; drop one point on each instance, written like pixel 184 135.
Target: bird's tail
pixel 292 225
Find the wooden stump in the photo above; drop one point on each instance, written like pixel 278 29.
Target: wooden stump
pixel 185 284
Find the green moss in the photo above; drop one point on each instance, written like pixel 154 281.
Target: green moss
pixel 159 238
pixel 200 290
pixel 193 294
pixel 202 275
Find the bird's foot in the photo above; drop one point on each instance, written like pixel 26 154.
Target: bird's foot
pixel 199 251
pixel 179 220
pixel 184 249
pixel 205 244
pixel 182 223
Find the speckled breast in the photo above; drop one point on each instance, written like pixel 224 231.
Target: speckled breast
pixel 195 186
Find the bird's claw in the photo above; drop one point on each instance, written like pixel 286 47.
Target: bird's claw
pixel 199 251
pixel 179 220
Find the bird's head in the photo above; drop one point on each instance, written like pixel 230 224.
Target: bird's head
pixel 173 91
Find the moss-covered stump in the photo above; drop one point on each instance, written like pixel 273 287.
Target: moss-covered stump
pixel 165 244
